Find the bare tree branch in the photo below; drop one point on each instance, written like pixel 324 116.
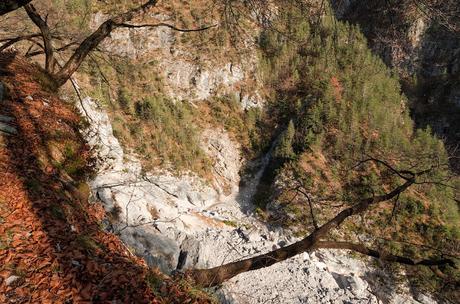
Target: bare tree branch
pixel 59 49
pixel 162 24
pixel 401 173
pixel 217 275
pixel 50 61
pixel 383 256
pixel 10 41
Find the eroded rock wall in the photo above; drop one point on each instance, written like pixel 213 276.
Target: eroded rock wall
pixel 186 74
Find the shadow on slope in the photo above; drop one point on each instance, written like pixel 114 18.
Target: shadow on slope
pixel 52 245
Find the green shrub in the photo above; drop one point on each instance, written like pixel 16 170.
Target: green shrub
pixel 413 206
pixel 143 109
pixel 284 147
pixel 124 100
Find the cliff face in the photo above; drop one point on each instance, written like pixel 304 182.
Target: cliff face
pixel 422 43
pixel 189 69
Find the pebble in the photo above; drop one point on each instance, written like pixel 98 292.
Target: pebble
pixel 76 263
pixel 11 279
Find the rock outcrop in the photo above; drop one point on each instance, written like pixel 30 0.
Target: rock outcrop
pixel 185 75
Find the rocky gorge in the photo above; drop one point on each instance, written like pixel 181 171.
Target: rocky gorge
pixel 176 222
pixel 180 222
pixel 240 152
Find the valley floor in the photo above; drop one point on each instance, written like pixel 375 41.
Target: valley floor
pixel 197 226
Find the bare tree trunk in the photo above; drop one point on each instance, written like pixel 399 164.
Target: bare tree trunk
pixel 7 6
pixel 92 41
pixel 50 61
pixel 218 275
pixel 10 41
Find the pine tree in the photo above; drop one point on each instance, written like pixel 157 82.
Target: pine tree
pixel 284 148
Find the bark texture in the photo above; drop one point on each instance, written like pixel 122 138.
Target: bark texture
pixel 46 34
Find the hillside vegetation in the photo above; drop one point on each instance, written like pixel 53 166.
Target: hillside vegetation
pixel 335 128
pixel 338 104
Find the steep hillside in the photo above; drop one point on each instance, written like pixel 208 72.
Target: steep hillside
pixel 202 148
pixel 52 245
pixel 420 40
pixel 338 104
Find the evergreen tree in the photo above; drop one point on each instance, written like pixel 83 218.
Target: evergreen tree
pixel 284 149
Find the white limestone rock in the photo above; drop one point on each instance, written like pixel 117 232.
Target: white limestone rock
pixel 189 213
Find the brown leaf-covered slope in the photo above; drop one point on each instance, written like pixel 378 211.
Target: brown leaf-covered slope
pixel 51 242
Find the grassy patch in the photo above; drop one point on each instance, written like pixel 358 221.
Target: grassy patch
pixel 57 212
pixel 6 239
pixel 88 243
pixel 230 223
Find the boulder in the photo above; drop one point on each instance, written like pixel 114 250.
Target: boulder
pixel 157 250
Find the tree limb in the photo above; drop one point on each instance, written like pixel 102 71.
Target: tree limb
pixel 401 173
pixel 62 48
pixel 162 24
pixel 10 41
pixel 383 256
pixel 217 275
pixel 310 204
pixel 50 61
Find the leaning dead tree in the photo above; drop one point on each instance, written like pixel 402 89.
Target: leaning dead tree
pixel 59 74
pixel 220 274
